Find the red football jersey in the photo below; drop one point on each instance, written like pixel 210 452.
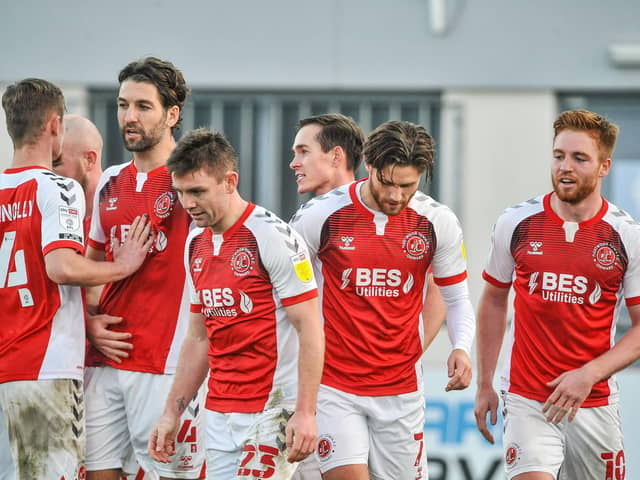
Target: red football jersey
pixel 154 300
pixel 372 271
pixel 240 281
pixel 569 280
pixel 42 334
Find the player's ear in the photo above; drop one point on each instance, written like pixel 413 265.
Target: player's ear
pixel 173 115
pixel 55 124
pixel 605 166
pixel 339 157
pixel 231 181
pixel 91 157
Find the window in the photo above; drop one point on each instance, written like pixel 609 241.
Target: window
pixel 262 127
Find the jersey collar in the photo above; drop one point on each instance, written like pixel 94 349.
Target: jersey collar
pixel 592 221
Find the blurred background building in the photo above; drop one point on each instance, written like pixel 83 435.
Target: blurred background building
pixel 487 78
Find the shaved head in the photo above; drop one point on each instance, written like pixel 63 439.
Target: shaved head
pixel 80 130
pixel 81 157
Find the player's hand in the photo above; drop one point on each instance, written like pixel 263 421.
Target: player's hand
pixel 571 390
pixel 459 370
pixel 301 436
pixel 112 345
pixel 132 252
pixel 162 444
pixel 486 402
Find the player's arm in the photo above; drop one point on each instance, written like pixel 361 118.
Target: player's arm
pixel 492 323
pixel 111 344
pixel 191 371
pixel 434 312
pixel 572 388
pixel 301 431
pixel 66 266
pixel 461 329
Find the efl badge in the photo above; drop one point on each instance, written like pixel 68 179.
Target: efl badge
pixel 164 204
pixel 302 266
pixel 69 218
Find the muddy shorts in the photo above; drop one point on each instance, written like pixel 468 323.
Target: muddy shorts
pixel 246 446
pixel 42 431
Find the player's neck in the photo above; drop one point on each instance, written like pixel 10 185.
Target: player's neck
pixel 577 212
pixel 154 157
pixel 237 206
pixel 89 193
pixel 340 179
pixel 34 155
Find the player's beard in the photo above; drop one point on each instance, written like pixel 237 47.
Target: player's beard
pixel 390 210
pixel 583 188
pixel 147 140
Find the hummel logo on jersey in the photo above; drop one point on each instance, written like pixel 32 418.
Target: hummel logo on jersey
pixel 564 288
pixel 377 282
pixel 112 203
pixel 346 243
pixel 535 248
pixel 220 302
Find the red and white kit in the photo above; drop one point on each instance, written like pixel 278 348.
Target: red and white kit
pixel 373 271
pixel 42 336
pixel 154 305
pixel 570 281
pixel 240 281
pixel 151 301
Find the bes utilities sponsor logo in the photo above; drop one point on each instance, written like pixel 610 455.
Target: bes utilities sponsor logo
pixel 564 288
pixel 220 302
pixel 377 282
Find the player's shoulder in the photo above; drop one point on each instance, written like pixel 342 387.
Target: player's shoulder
pixel 518 212
pixel 325 204
pixel 427 206
pixel 194 233
pixel 51 181
pixel 622 221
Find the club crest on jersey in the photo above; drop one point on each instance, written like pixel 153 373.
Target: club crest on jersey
pixel 164 204
pixel 326 447
pixel 302 267
pixel 347 241
pixel 69 218
pixel 415 245
pixel 535 248
pixel 242 262
pixel 512 455
pixel 112 201
pixel 604 256
pixel 197 264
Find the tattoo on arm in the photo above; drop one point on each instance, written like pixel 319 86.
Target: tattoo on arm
pixel 182 404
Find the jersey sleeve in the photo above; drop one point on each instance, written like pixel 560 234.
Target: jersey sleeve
pixel 308 221
pixel 62 205
pixel 500 265
pixel 631 280
pixel 97 238
pixel 450 260
pixel 194 298
pixel 286 258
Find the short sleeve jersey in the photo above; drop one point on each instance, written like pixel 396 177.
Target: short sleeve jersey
pixel 372 271
pixel 42 334
pixel 240 281
pixel 570 280
pixel 153 302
